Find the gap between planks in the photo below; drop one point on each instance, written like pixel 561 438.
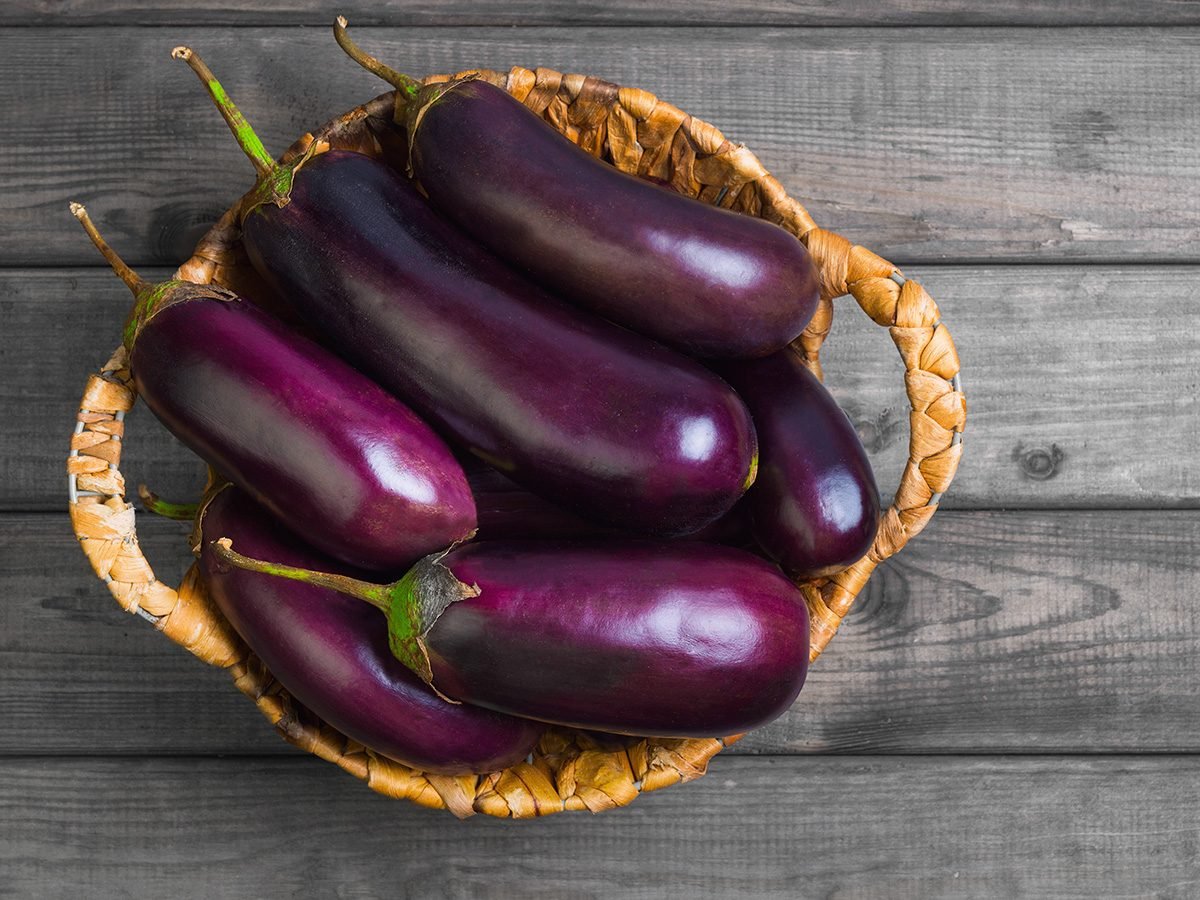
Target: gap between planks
pixel 873 829
pixel 952 144
pixel 992 633
pixel 617 13
pixel 1056 364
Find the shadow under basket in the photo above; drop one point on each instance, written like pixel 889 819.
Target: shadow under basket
pixel 569 770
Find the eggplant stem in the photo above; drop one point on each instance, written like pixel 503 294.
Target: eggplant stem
pixel 406 84
pixel 375 594
pixel 131 278
pixel 252 146
pixel 179 512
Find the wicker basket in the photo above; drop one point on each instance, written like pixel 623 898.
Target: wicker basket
pixel 569 770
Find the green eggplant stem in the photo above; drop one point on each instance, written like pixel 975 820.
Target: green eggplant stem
pixel 378 595
pixel 250 143
pixel 179 512
pixel 406 84
pixel 131 278
pixel 411 604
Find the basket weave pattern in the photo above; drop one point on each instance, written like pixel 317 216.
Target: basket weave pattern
pixel 569 770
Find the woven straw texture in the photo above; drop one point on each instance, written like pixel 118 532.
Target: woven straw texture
pixel 569 770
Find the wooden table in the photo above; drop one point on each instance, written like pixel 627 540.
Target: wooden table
pixel 1012 709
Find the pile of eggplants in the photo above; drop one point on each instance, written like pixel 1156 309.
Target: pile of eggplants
pixel 543 455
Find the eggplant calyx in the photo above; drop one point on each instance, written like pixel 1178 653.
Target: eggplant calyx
pixel 412 604
pixel 275 179
pixel 216 484
pixel 154 298
pixel 417 601
pixel 413 97
pixel 275 187
pixel 414 111
pixel 148 299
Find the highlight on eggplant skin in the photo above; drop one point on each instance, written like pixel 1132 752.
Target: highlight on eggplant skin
pixel 815 506
pixel 331 653
pixel 325 448
pixel 710 281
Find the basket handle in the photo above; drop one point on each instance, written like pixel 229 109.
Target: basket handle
pixel 937 416
pixel 104 525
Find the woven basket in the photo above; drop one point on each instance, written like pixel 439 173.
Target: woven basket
pixel 569 770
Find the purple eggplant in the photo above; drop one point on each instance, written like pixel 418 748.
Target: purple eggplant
pixel 815 506
pixel 663 639
pixel 328 451
pixel 708 280
pixel 571 406
pixel 506 511
pixel 331 653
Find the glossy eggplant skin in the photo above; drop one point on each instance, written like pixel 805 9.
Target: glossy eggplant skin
pixel 328 451
pixel 331 653
pixel 575 408
pixel 506 511
pixel 814 507
pixel 663 639
pixel 710 281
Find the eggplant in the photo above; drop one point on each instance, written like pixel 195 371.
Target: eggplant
pixel 506 511
pixel 669 639
pixel 572 407
pixel 815 507
pixel 329 452
pixel 713 282
pixel 331 653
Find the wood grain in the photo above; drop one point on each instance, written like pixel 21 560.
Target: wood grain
pixel 951 144
pixel 623 12
pixel 1065 627
pixel 1063 369
pixel 866 828
pixel 994 632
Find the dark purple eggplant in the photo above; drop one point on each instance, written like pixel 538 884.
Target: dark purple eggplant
pixel 662 639
pixel 815 506
pixel 506 511
pixel 331 653
pixel 708 280
pixel 572 407
pixel 328 451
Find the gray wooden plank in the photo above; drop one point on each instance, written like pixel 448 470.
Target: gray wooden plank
pixel 1081 385
pixel 807 13
pixel 994 632
pixel 81 676
pixel 62 325
pixel 926 828
pixel 948 144
pixel 1078 397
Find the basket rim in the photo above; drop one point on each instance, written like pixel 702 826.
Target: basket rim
pixel 104 522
